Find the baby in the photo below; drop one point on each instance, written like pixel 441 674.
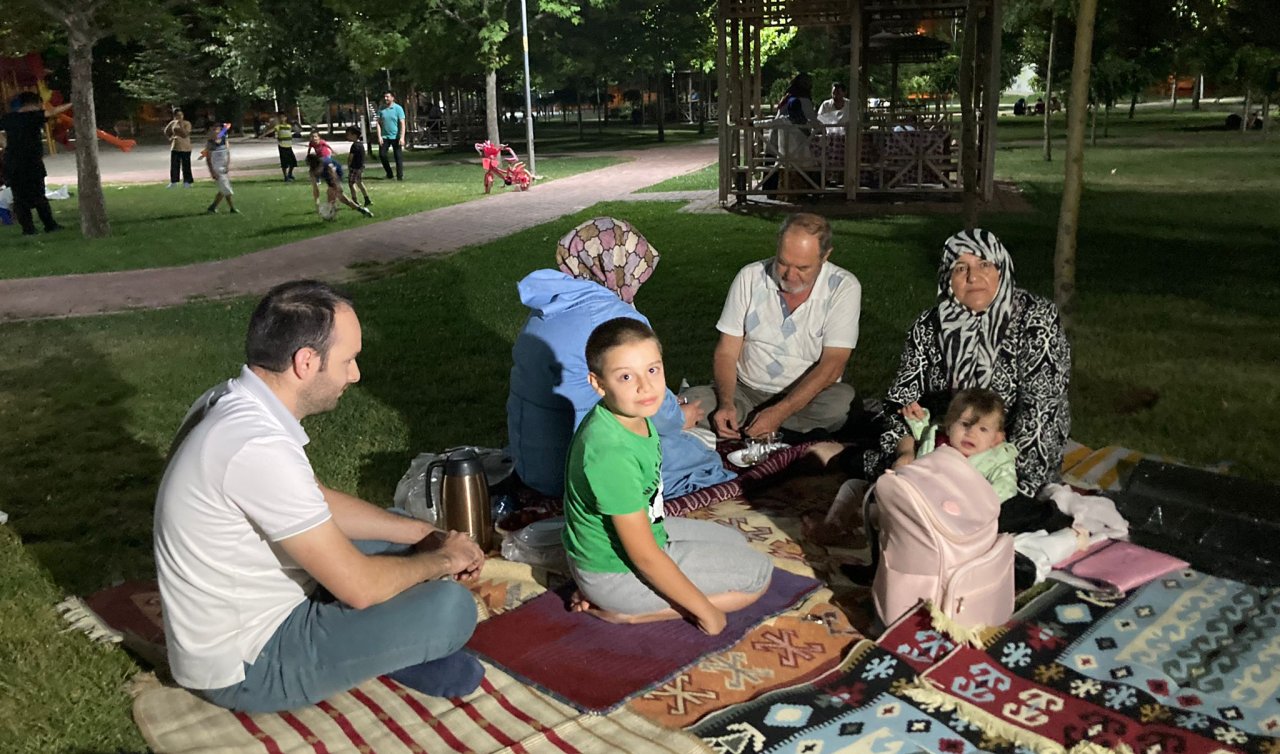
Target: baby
pixel 974 426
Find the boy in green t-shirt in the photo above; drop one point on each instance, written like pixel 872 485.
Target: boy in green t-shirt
pixel 631 564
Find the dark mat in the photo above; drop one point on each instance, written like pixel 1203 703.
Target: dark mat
pixel 1222 525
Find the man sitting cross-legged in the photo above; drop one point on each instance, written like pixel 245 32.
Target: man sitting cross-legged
pixel 277 591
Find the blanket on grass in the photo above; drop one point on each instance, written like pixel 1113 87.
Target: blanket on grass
pixel 595 666
pixel 1188 663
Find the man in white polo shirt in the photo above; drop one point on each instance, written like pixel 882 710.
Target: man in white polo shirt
pixel 277 591
pixel 787 330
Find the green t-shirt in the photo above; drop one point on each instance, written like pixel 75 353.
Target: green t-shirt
pixel 610 471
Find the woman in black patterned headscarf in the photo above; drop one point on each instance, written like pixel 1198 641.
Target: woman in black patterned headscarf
pixel 986 332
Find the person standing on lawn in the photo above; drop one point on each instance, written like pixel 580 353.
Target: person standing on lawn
pixel 278 591
pixel 391 127
pixel 178 132
pixel 24 160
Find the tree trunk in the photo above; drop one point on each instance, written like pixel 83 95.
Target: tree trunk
pixel 1266 114
pixel 578 95
pixel 1173 95
pixel 1048 92
pixel 1106 121
pixel 93 206
pixel 1064 256
pixel 968 118
pixel 1244 116
pixel 662 106
pixel 1195 92
pixel 1093 125
pixel 491 105
pixel 1133 105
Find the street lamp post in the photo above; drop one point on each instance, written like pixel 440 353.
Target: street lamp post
pixel 528 96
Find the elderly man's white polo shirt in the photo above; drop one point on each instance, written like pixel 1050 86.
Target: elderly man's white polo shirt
pixel 237 484
pixel 777 346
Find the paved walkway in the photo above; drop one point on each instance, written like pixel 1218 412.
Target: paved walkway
pixel 330 257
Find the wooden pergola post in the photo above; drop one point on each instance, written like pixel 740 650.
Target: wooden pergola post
pixel 724 118
pixel 853 131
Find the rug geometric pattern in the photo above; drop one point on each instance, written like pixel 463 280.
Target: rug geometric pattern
pixel 857 707
pixel 1070 670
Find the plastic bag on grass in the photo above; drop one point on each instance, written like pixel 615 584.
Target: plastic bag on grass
pixel 538 544
pixel 411 491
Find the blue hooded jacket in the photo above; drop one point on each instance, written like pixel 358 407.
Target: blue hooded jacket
pixel 550 394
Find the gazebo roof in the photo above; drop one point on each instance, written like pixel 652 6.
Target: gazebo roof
pixel 888 47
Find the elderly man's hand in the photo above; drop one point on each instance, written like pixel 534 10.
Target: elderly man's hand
pixel 724 421
pixel 766 422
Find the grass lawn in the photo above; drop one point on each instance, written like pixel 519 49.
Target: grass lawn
pixel 706 178
pixel 1175 353
pixel 157 227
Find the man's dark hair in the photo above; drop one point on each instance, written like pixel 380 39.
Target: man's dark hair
pixel 814 225
pixel 984 402
pixel 28 98
pixel 353 130
pixel 291 317
pixel 616 332
pixel 313 162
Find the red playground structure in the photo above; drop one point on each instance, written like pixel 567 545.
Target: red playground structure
pixel 513 173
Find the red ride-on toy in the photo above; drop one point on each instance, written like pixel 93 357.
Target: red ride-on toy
pixel 513 173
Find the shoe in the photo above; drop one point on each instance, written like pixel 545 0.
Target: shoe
pixel 212 210
pixel 53 228
pixel 187 185
pixel 234 211
pixel 367 201
pixel 400 178
pixel 365 211
pixel 171 185
pixel 31 232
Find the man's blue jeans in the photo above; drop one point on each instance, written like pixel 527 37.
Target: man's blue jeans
pixel 325 647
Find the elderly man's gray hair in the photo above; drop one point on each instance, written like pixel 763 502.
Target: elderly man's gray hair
pixel 814 225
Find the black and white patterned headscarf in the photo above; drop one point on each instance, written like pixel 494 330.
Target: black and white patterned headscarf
pixel 971 340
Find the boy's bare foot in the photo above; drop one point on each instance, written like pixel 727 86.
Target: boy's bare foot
pixel 580 604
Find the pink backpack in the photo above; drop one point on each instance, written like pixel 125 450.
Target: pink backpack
pixel 938 540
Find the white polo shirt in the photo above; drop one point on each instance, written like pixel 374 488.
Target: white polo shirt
pixel 237 484
pixel 777 346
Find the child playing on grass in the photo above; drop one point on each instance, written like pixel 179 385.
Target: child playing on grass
pixel 355 164
pixel 316 145
pixel 631 564
pixel 218 157
pixel 331 173
pixel 283 131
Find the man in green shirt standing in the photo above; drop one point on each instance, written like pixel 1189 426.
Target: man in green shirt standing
pixel 391 127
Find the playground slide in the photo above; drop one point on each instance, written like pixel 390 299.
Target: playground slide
pixel 124 145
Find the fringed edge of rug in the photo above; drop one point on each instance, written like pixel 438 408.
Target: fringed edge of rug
pixel 926 692
pixel 80 618
pixel 975 636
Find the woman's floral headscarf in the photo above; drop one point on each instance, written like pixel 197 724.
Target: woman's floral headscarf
pixel 610 252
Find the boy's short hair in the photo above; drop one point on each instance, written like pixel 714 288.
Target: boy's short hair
pixel 984 402
pixel 353 131
pixel 616 332
pixel 313 161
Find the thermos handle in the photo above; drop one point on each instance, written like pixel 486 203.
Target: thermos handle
pixel 435 505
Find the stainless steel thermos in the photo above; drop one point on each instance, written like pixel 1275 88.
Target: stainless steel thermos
pixel 464 497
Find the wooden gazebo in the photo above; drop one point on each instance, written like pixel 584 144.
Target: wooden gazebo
pixel 887 150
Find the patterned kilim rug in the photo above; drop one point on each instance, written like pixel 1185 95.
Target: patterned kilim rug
pixel 1186 664
pixel 595 665
pixel 858 707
